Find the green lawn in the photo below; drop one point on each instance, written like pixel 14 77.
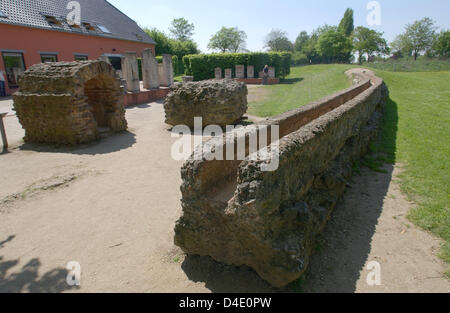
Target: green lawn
pixel 422 64
pixel 415 134
pixel 420 110
pixel 304 85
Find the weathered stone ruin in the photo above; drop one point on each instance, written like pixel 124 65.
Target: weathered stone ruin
pixel 149 70
pixel 130 72
pixel 236 213
pixel 67 102
pixel 218 102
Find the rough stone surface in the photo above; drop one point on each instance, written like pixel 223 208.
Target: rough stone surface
pixel 238 214
pixel 66 102
pixel 218 73
pixel 240 71
pixel 165 71
pixel 150 76
pixel 250 71
pixel 218 102
pixel 130 71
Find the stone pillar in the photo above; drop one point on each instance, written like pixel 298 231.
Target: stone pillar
pixel 240 71
pixel 271 72
pixel 218 73
pixel 250 71
pixel 166 71
pixel 228 73
pixel 130 71
pixel 150 74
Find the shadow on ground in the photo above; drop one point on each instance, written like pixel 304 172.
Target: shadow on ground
pixel 343 248
pixel 113 143
pixel 291 81
pixel 28 278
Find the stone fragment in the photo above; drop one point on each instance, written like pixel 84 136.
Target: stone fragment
pixel 150 75
pixel 166 71
pixel 130 72
pixel 218 102
pixel 271 72
pixel 218 73
pixel 240 71
pixel 228 73
pixel 250 71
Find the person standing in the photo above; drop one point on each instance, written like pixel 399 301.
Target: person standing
pixel 2 85
pixel 265 75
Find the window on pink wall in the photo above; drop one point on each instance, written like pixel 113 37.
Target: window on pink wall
pixel 14 67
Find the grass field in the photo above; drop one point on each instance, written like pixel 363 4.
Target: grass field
pixel 415 134
pixel 304 85
pixel 420 111
pixel 423 64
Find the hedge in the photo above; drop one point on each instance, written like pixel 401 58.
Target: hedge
pixel 159 59
pixel 202 66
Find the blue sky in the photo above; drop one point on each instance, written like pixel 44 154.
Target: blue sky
pixel 258 17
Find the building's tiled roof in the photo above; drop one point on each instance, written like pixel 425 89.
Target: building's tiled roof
pixel 96 12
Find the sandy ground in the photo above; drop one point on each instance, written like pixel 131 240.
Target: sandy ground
pixel 112 206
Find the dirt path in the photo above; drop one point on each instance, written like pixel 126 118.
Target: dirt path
pixel 112 206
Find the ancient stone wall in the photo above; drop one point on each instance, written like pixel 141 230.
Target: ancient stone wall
pixel 66 102
pixel 268 220
pixel 218 102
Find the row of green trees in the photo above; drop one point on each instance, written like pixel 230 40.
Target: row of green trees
pixel 326 44
pixel 338 44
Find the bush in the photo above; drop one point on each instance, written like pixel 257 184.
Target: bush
pixel 299 58
pixel 202 66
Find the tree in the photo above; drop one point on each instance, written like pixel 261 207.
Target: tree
pixel 346 26
pixel 334 46
pixel 166 45
pixel 419 35
pixel 182 48
pixel 277 40
pixel 163 42
pixel 301 41
pixel 181 29
pixel 310 47
pixel 228 40
pixel 441 44
pixel 402 46
pixel 368 41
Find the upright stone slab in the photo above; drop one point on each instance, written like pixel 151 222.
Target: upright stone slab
pixel 271 72
pixel 240 71
pixel 218 73
pixel 250 71
pixel 228 73
pixel 150 74
pixel 166 71
pixel 162 76
pixel 130 71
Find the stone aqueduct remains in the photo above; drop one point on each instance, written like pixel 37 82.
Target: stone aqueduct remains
pixel 238 214
pixel 233 211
